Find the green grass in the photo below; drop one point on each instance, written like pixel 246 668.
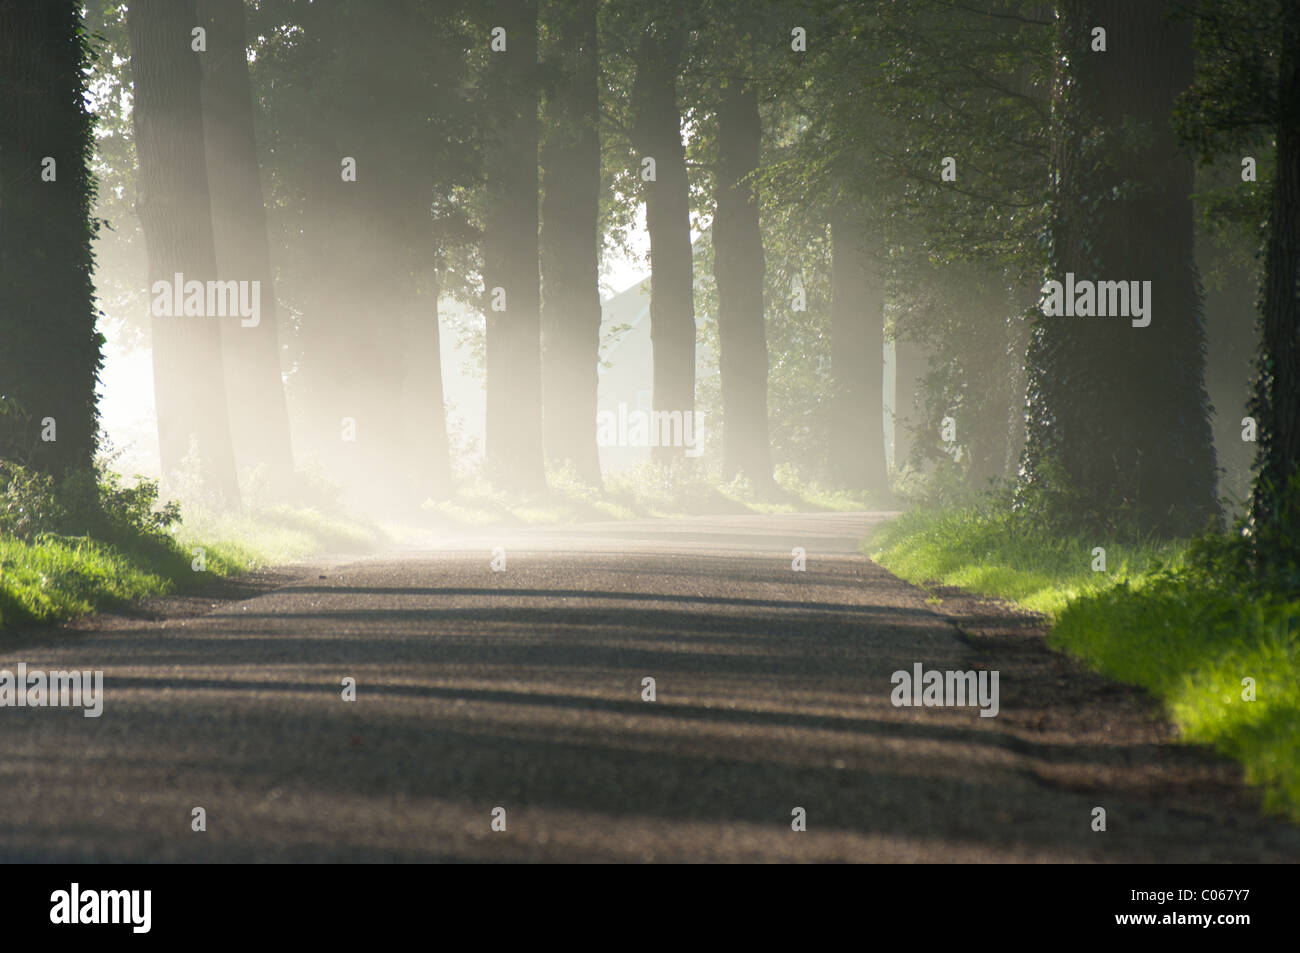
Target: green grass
pixel 274 535
pixel 1154 620
pixel 62 578
pixel 53 578
pixel 1193 647
pixel 984 550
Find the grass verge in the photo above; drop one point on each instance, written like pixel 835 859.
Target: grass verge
pixel 1155 619
pixel 54 577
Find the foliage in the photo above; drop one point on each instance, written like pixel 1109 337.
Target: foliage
pixel 984 546
pixel 930 81
pixel 74 543
pixel 1232 104
pixel 83 542
pixel 64 577
pixel 91 503
pixel 1183 620
pixel 1244 101
pixel 1191 642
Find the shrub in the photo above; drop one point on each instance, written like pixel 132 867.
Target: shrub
pixel 83 503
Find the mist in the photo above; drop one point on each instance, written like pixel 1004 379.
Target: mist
pixel 652 430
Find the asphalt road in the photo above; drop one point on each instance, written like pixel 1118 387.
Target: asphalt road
pixel 522 689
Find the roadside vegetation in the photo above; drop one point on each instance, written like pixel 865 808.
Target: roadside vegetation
pixel 69 547
pixel 1194 622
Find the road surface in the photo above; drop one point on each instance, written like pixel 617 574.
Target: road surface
pixel 523 690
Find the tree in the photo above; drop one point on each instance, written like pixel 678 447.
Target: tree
pixel 889 97
pixel 657 136
pixel 175 214
pixel 1276 498
pixel 570 240
pixel 1229 212
pixel 959 188
pixel 1246 103
pixel 259 413
pixel 1118 428
pixel 510 251
pixel 738 270
pixel 50 359
pixel 359 259
pixel 857 434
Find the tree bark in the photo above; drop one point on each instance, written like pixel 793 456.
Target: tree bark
pixel 570 240
pixel 513 435
pixel 50 355
pixel 175 215
pixel 259 415
pixel 658 135
pixel 738 270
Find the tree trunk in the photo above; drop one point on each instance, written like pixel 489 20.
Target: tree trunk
pixel 426 412
pixel 50 355
pixel 1232 346
pixel 175 215
pixel 368 383
pixel 570 241
pixel 346 378
pixel 1276 499
pixel 513 435
pixel 1118 415
pixel 1019 306
pixel 989 369
pixel 911 364
pixel 857 450
pixel 668 223
pixel 259 416
pixel 738 271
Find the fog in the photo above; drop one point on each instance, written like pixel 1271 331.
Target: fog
pixel 483 266
pixel 126 395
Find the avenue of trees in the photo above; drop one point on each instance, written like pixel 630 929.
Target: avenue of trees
pixel 823 182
